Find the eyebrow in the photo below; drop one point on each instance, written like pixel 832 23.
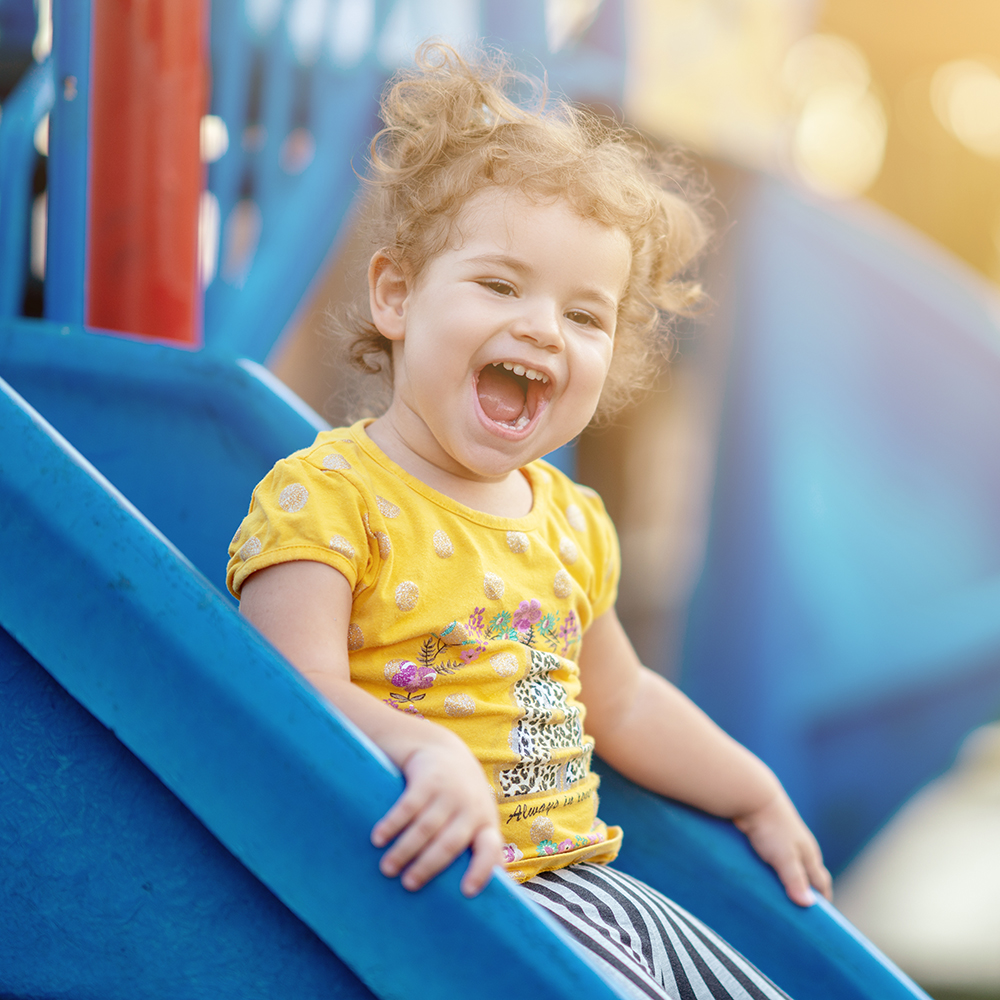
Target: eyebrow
pixel 518 265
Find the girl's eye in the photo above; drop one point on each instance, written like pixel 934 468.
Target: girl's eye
pixel 582 318
pixel 499 286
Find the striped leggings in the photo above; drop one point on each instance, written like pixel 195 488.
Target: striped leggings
pixel 642 943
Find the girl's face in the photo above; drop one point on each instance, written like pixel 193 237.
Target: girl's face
pixel 502 343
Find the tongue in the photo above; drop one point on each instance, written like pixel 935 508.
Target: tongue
pixel 500 394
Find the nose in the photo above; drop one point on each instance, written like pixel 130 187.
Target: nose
pixel 540 323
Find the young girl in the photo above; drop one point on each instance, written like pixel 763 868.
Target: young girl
pixel 452 593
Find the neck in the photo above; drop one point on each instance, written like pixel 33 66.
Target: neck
pixel 506 495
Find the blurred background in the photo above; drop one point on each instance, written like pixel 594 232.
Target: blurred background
pixel 807 501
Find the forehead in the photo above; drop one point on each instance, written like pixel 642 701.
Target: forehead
pixel 515 223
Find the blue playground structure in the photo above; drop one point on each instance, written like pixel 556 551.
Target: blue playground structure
pixel 180 814
pixel 846 626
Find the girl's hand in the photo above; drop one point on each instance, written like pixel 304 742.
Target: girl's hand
pixel 304 608
pixel 779 836
pixel 446 807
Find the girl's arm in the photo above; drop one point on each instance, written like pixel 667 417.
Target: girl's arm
pixel 304 609
pixel 645 728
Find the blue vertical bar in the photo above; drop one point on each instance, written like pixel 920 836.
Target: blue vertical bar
pixel 22 112
pixel 66 253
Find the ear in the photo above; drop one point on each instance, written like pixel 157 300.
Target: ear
pixel 387 293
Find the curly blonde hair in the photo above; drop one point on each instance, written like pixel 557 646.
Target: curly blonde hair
pixel 452 129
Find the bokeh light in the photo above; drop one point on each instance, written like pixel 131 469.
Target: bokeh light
pixel 965 95
pixel 838 142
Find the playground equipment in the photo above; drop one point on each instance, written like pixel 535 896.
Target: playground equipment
pixel 847 624
pixel 181 813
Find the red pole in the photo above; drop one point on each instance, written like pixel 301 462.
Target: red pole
pixel 148 93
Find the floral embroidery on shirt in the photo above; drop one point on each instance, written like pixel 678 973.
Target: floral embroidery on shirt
pixel 411 678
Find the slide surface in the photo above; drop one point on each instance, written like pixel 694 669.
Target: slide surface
pixel 182 814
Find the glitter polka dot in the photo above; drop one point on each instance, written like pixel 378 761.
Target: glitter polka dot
pixel 384 545
pixel 567 550
pixel 517 541
pixel 293 497
pixel 542 829
pixel 334 461
pixel 407 595
pixel 562 585
pixel 442 544
pixel 355 637
pixel 493 586
pixel 236 537
pixel 387 509
pixel 459 705
pixel 340 544
pixel 455 634
pixel 250 548
pixel 575 517
pixel 391 669
pixel 505 664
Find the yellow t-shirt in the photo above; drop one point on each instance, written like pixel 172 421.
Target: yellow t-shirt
pixel 471 620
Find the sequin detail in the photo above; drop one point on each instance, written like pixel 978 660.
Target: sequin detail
pixel 562 585
pixel 505 664
pixel 386 508
pixel 407 595
pixel 250 548
pixel 493 586
pixel 517 541
pixel 567 551
pixel 575 517
pixel 293 498
pixel 340 544
pixel 355 637
pixel 542 829
pixel 459 705
pixel 334 461
pixel 236 537
pixel 442 544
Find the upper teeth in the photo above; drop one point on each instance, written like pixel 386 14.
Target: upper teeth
pixel 526 372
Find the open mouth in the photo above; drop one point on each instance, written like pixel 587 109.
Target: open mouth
pixel 511 394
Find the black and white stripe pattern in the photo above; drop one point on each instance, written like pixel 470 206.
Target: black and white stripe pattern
pixel 645 945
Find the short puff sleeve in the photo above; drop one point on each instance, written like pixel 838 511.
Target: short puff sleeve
pixel 303 510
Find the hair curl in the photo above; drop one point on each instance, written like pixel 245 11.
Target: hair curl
pixel 452 128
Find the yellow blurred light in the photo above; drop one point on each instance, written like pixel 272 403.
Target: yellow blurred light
pixel 818 61
pixel 838 143
pixel 214 138
pixel 965 95
pixel 839 140
pixel 41 137
pixel 42 44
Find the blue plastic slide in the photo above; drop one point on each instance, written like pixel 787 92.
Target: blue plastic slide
pixel 182 815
